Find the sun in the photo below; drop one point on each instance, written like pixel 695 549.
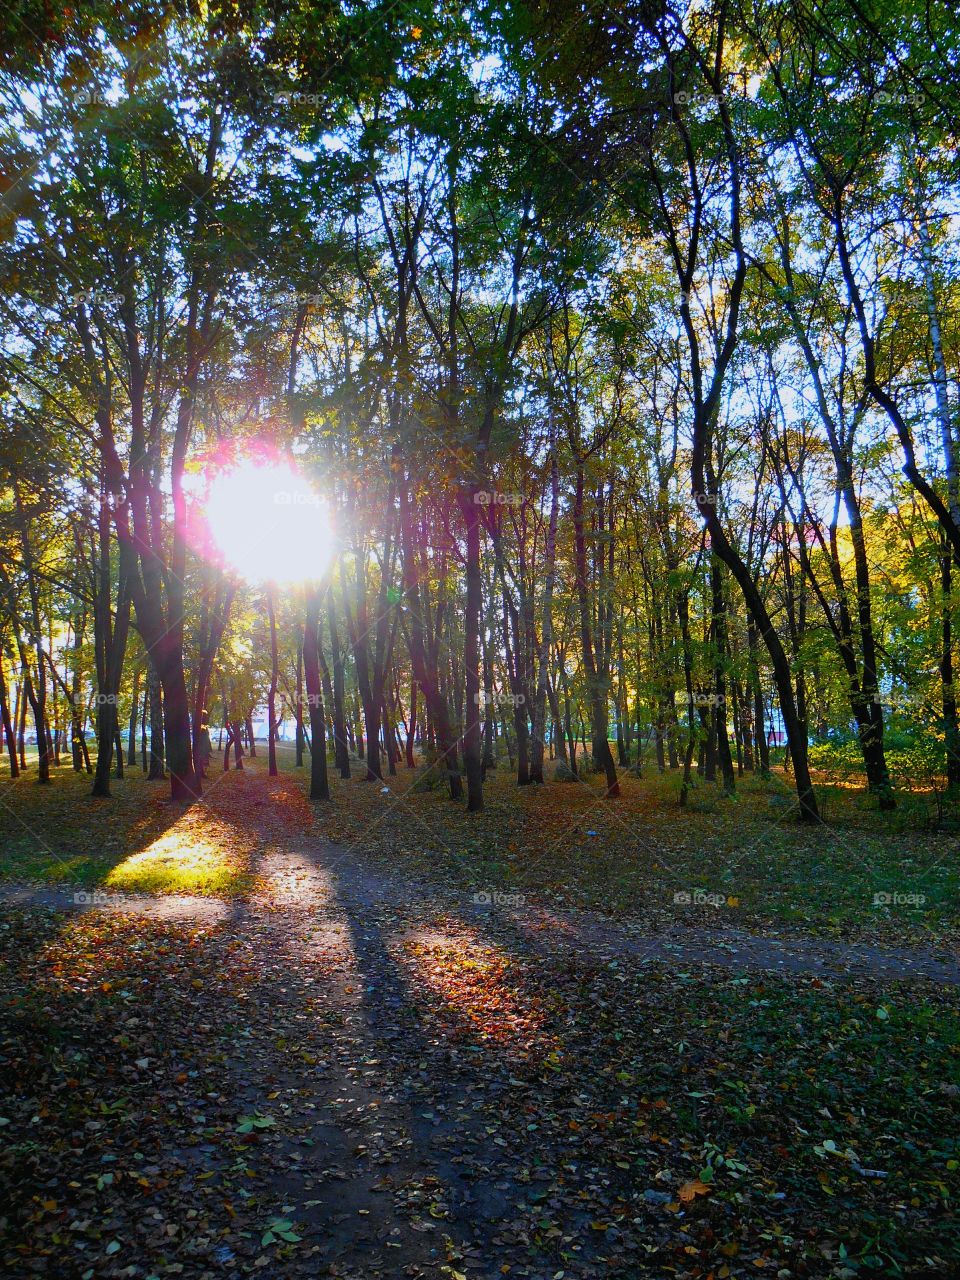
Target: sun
pixel 269 523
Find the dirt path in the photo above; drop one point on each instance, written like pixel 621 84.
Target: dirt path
pixel 305 878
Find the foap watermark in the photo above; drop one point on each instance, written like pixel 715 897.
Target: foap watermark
pixel 89 96
pixel 296 298
pixel 483 699
pixel 286 97
pixel 894 700
pixel 701 699
pixel 700 97
pixel 494 898
pixel 701 898
pixel 689 98
pixel 105 700
pixel 895 898
pixel 296 498
pixel 494 498
pixel 97 898
pixel 94 298
pixel 885 99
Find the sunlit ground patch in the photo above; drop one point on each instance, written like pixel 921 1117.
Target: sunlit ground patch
pixel 182 861
pixel 120 955
pixel 284 880
pixel 481 987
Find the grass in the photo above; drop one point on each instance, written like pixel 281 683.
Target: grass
pixel 567 844
pixel 563 843
pixel 137 840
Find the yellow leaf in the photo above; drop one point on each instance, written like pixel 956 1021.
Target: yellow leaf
pixel 690 1190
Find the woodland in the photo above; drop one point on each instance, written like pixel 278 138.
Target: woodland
pixel 479 562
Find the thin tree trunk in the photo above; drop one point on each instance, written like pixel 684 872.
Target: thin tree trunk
pixel 272 694
pixel 132 727
pixel 158 756
pixel 8 731
pixel 299 742
pixel 951 725
pixel 319 781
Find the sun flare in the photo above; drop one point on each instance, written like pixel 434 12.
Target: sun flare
pixel 269 523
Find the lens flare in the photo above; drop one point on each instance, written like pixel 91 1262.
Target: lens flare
pixel 269 523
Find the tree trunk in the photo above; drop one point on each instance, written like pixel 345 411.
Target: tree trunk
pixel 299 742
pixel 341 746
pixel 132 727
pixel 319 781
pixel 8 731
pixel 272 694
pixel 158 751
pixel 426 677
pixel 473 606
pixel 720 681
pixel 796 729
pixel 596 687
pixel 412 728
pixel 184 784
pixel 546 625
pixel 951 726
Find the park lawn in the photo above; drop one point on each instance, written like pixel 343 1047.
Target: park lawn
pixel 566 845
pixel 134 841
pixel 562 844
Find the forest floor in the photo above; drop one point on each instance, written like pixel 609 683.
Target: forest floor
pixel 373 1039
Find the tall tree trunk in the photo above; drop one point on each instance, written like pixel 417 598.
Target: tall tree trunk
pixel 81 757
pixel 683 617
pixel 795 727
pixel 132 727
pixel 489 759
pixel 341 747
pixel 720 680
pixel 427 677
pixel 596 687
pixel 8 731
pixel 20 718
pixel 951 725
pixel 412 728
pixel 473 607
pixel 546 624
pixel 319 781
pixel 272 694
pixel 756 691
pixel 158 751
pixel 184 784
pixel 299 743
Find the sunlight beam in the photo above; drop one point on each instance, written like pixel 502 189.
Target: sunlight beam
pixel 269 523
